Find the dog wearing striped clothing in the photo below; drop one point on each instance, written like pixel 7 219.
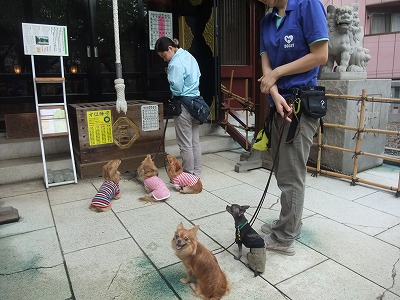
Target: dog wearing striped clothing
pixel 109 189
pixel 185 182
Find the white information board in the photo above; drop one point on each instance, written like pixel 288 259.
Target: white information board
pixel 150 119
pixel 41 39
pixel 160 24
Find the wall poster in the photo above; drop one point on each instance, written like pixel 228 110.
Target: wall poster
pixel 160 24
pixel 100 127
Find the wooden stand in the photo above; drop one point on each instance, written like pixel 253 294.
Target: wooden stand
pixel 100 134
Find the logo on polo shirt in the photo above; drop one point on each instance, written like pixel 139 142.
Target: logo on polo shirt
pixel 288 39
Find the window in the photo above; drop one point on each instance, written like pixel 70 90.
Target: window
pixel 396 92
pixel 383 18
pixel 234 32
pixel 384 22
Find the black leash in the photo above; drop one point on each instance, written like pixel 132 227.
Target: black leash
pixel 134 173
pixel 163 138
pixel 260 204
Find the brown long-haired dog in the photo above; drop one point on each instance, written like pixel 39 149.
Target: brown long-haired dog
pixel 109 189
pixel 200 263
pixel 186 183
pixel 148 174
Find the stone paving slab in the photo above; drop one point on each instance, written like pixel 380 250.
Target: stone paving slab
pixel 333 185
pixel 34 212
pixel 31 267
pixel 349 247
pixel 116 270
pixel 330 281
pixel 370 257
pixel 16 189
pixel 70 192
pixel 79 227
pixel 215 180
pixel 257 178
pixel 391 236
pixel 352 214
pixel 154 230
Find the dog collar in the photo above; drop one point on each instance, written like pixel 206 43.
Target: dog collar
pixel 238 228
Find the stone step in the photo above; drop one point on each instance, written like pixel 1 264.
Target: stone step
pixel 20 148
pixel 28 147
pixel 21 160
pixel 29 168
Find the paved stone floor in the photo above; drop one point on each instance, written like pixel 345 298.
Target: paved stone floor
pixel 59 249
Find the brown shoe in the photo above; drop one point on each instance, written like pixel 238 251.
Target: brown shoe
pixel 273 245
pixel 267 228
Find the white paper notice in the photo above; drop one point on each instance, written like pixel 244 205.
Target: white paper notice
pixel 49 40
pixel 150 119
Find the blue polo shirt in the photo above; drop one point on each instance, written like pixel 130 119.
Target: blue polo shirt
pixel 287 39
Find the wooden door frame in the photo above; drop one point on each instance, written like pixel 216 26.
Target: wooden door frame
pixel 251 72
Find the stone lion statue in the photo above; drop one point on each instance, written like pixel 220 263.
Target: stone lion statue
pixel 345 41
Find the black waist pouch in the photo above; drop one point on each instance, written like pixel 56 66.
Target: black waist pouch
pixel 174 107
pixel 313 101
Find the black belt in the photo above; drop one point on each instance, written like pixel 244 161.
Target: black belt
pixel 288 91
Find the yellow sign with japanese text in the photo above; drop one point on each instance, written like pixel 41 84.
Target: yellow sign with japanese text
pixel 100 127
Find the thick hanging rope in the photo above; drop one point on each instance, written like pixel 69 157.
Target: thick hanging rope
pixel 119 81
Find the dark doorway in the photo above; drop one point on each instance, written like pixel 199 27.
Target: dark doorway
pixel 90 66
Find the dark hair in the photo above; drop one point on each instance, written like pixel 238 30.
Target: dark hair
pixel 163 43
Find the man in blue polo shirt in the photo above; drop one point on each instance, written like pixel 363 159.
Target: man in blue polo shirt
pixel 293 44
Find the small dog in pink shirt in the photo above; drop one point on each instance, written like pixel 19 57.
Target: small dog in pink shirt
pixel 186 183
pixel 148 173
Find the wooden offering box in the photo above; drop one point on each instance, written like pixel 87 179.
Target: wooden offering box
pixel 100 133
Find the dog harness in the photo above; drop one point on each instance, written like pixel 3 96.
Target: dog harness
pixel 246 235
pixel 185 179
pixel 157 187
pixel 107 191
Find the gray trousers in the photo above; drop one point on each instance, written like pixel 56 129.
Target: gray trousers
pixel 187 131
pixel 290 172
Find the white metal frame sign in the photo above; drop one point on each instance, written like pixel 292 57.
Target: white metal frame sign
pixel 160 24
pixel 150 120
pixel 41 39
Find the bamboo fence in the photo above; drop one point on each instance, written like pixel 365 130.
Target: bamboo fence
pixel 356 151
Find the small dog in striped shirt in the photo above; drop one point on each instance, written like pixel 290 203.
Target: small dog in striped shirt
pixel 185 183
pixel 109 189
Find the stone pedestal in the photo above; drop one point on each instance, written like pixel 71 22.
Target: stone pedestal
pixel 347 112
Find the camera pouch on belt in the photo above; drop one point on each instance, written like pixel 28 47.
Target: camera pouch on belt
pixel 313 104
pixel 313 101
